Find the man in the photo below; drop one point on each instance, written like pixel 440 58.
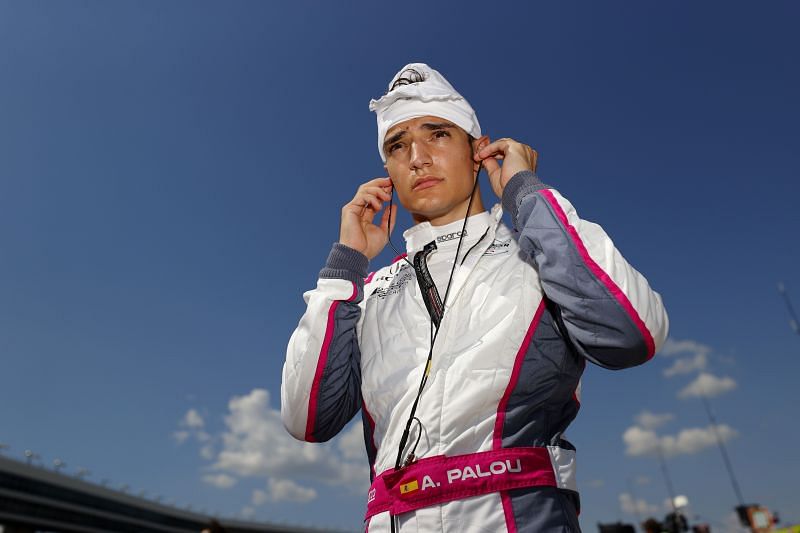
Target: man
pixel 465 356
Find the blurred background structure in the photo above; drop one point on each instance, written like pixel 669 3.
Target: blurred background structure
pixel 34 499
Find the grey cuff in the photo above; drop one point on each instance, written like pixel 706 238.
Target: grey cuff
pixel 518 187
pixel 345 263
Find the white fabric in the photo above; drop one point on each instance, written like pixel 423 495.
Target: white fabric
pixel 563 462
pixel 433 96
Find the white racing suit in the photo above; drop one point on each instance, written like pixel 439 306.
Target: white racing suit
pixel 526 309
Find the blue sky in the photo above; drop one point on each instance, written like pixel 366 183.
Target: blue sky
pixel 171 176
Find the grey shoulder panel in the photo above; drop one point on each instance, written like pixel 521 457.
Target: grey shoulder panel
pixel 599 326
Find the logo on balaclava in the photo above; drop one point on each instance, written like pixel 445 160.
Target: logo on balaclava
pixel 408 77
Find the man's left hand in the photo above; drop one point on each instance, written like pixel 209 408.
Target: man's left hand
pixel 515 157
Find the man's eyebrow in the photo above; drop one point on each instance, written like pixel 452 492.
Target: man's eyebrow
pixel 431 126
pixel 437 125
pixel 394 138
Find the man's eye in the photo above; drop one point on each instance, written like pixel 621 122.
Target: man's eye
pixel 441 133
pixel 394 147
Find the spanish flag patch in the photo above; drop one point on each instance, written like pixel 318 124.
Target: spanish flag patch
pixel 409 486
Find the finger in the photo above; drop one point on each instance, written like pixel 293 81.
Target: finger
pixel 369 200
pixel 379 187
pixel 492 167
pixel 362 201
pixel 385 219
pixel 534 158
pixel 500 146
pixel 379 192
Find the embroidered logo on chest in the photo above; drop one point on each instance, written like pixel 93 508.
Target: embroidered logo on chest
pixel 396 284
pixel 498 247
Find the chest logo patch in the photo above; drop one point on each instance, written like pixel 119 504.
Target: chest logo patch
pixel 395 286
pixel 498 247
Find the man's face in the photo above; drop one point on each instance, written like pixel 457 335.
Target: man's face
pixel 430 162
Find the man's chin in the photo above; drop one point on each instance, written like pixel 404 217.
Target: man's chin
pixel 427 209
pixel 429 216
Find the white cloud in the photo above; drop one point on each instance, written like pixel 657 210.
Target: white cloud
pixel 687 365
pixel 638 507
pixel 247 512
pixel 192 419
pixel 648 420
pixel 207 452
pixel 191 425
pixel 693 440
pixel 221 481
pixel 259 497
pixel 255 444
pixel 640 441
pixel 180 436
pixel 707 385
pixel 675 347
pixel 283 490
pixel 688 441
pixel 697 356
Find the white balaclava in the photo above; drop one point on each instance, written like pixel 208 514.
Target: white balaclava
pixel 431 95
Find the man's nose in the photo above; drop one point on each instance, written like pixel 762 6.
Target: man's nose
pixel 420 157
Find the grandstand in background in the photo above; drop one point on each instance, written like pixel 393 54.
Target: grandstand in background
pixel 35 499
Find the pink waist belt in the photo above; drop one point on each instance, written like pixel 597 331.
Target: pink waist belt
pixel 441 479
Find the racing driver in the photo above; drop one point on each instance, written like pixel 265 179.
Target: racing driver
pixel 465 354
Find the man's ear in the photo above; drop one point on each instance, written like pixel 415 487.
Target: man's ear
pixel 477 145
pixel 481 142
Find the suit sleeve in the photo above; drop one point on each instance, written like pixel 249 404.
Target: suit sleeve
pixel 321 387
pixel 609 310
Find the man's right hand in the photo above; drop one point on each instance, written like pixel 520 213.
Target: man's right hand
pixel 358 230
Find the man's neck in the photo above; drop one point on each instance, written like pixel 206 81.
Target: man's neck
pixel 457 213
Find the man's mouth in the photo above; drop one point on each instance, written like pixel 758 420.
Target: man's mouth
pixel 425 182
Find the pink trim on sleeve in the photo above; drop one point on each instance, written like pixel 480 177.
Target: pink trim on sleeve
pixel 497 441
pixel 600 273
pixel 321 362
